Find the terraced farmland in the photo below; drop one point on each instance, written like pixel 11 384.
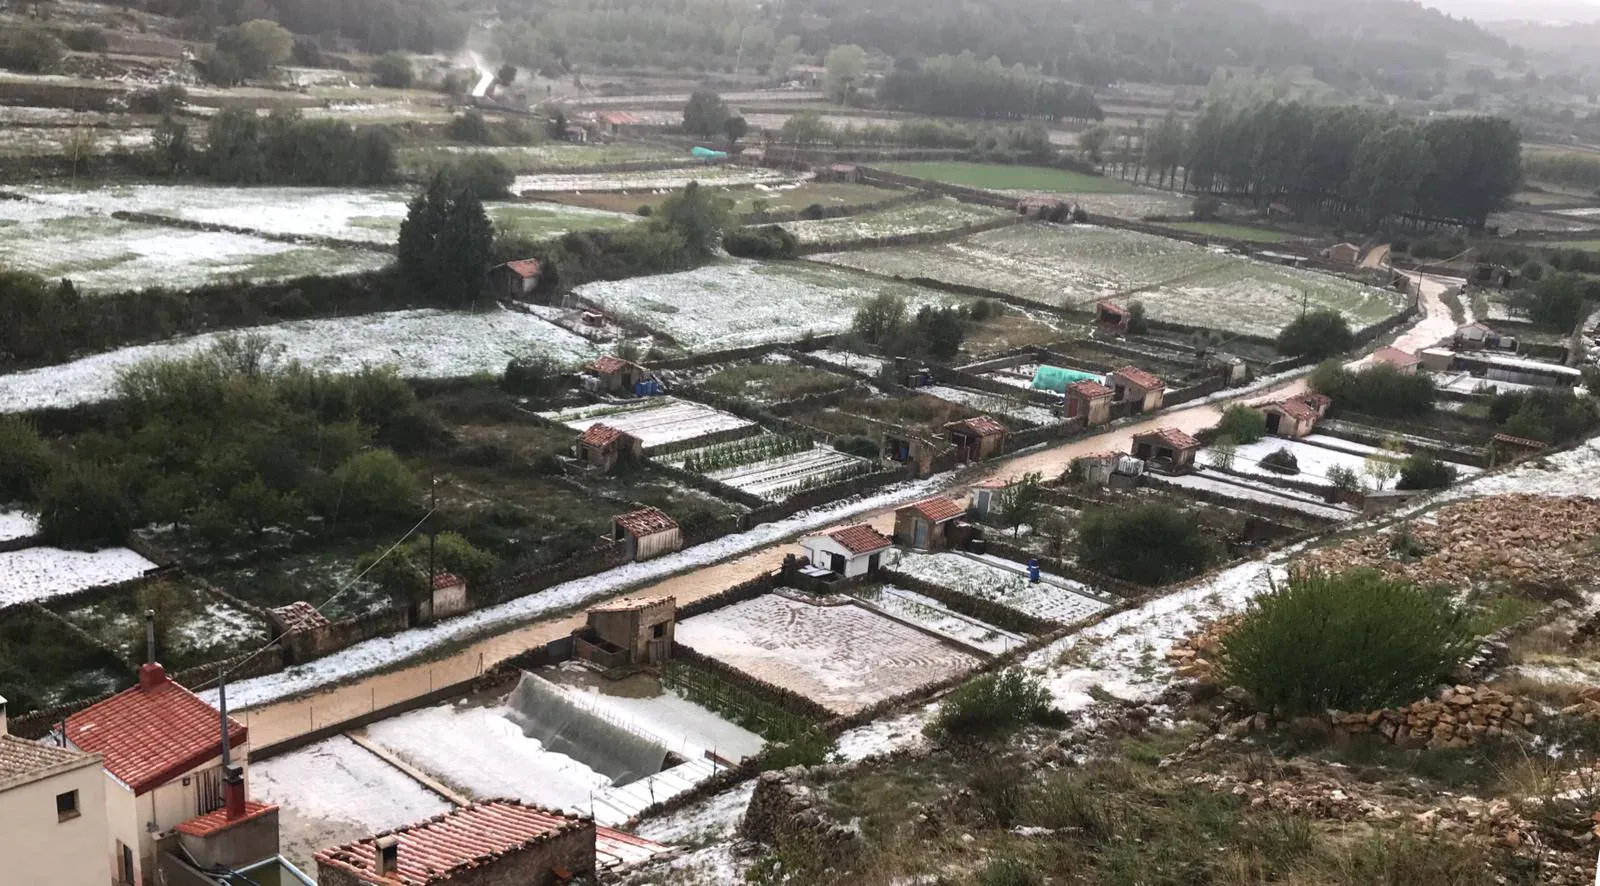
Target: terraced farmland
pixel 919 218
pixel 778 478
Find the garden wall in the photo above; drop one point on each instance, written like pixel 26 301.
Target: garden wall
pixel 303 646
pixel 739 593
pixel 777 696
pixel 1249 506
pixel 827 212
pixel 997 614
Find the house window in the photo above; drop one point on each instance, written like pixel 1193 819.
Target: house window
pixel 658 631
pixel 67 806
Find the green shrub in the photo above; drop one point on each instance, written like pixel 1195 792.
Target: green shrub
pixel 1150 544
pixel 990 706
pixel 470 128
pixel 83 506
pixel 24 460
pixel 86 39
pixel 393 70
pixel 1380 390
pixel 1138 324
pixel 981 310
pixel 1281 461
pixel 1355 641
pixel 531 376
pixel 1319 334
pixel 29 50
pixel 486 176
pixel 1423 471
pixel 1550 416
pixel 1344 478
pixel 859 447
pixel 770 242
pixel 1242 424
pixel 373 488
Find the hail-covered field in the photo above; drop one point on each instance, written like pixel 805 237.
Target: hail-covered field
pixel 34 574
pixel 656 421
pixel 994 404
pixel 919 218
pixel 529 158
pixel 734 304
pixel 368 216
pixel 660 180
pixel 1137 205
pixel 1075 266
pixel 1054 599
pixel 422 343
pixel 100 253
pixel 778 478
pixel 840 656
pixel 931 615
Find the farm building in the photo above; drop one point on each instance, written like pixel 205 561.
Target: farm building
pixel 1494 276
pixel 1397 358
pixel 1054 378
pixel 1098 467
pixel 514 279
pixel 1475 336
pixel 910 450
pixel 646 533
pixel 1343 253
pixel 628 632
pixel 601 447
pixel 448 597
pixel 1133 385
pixel 614 375
pixel 1436 359
pixel 985 498
pixel 1112 317
pixel 924 525
pixel 1504 448
pixel 847 173
pixel 978 438
pixel 1089 399
pixel 1294 416
pixel 1169 448
pixel 1517 370
pixel 612 122
pixel 852 551
pixel 494 841
pixel 1047 208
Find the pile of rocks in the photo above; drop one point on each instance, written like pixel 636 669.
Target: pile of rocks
pixel 1587 705
pixel 1526 540
pixel 1194 657
pixel 786 805
pixel 1460 717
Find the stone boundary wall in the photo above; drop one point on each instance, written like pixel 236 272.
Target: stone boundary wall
pixel 1267 509
pixel 786 699
pixel 756 219
pixel 739 593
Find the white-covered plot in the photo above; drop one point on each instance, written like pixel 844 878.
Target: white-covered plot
pixel 659 180
pixel 345 214
pixel 34 574
pixel 16 524
pixel 681 725
pixel 482 752
pixel 1249 490
pixel 423 343
pixel 929 614
pixel 840 656
pixel 778 478
pixel 937 215
pixel 849 360
pixel 338 780
pixel 1005 407
pixel 1053 598
pixel 656 421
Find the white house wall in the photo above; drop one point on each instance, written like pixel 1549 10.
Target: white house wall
pixel 36 847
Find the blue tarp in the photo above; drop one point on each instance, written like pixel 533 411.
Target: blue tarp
pixel 1054 378
pixel 700 153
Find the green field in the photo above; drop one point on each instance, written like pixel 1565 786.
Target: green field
pixel 1003 177
pixel 1235 232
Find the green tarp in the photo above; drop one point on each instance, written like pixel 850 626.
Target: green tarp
pixel 1054 378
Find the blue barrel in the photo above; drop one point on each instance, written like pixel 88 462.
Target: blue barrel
pixel 1033 571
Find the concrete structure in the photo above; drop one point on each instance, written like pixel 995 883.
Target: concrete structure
pixel 514 279
pixel 52 814
pixel 1089 400
pixel 985 498
pixel 977 439
pixel 641 630
pixel 1401 360
pixel 924 525
pixel 847 173
pixel 1437 359
pixel 1168 448
pixel 1098 467
pixel 240 835
pixel 1343 253
pixel 163 757
pixel 614 375
pixel 492 843
pixel 646 533
pixel 1476 335
pixel 1133 385
pixel 602 448
pixel 449 597
pixel 1517 370
pixel 851 552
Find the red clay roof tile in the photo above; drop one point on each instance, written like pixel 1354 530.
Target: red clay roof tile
pixel 982 425
pixel 860 539
pixel 1139 378
pixel 1090 390
pixel 527 268
pixel 153 733
pixel 938 510
pixel 645 521
pixel 1173 437
pixel 606 364
pixel 214 822
pixel 600 434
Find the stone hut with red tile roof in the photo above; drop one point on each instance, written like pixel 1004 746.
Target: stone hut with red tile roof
pixel 514 279
pixel 977 439
pixel 646 533
pixel 614 375
pixel 925 525
pixel 1088 400
pixel 163 757
pixel 1168 448
pixel 852 552
pixel 1404 361
pixel 636 631
pixel 1130 384
pixel 492 843
pixel 602 447
pixel 1294 416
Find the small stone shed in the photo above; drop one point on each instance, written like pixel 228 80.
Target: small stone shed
pixel 1089 400
pixel 1130 384
pixel 845 173
pixel 977 439
pixel 924 525
pixel 449 597
pixel 645 534
pixel 1294 416
pixel 614 375
pixel 1169 448
pixel 1112 317
pixel 602 448
pixel 1343 253
pixel 629 632
pixel 851 552
pixel 1403 361
pixel 514 279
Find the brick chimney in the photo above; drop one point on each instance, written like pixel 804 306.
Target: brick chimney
pixel 233 792
pixel 388 855
pixel 151 675
pixel 3 727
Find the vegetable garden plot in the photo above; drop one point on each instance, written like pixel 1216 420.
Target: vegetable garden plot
pixel 740 303
pixel 197 627
pixel 34 574
pixel 1054 599
pixel 842 657
pixel 656 422
pixel 930 614
pixel 1178 282
pixel 1004 407
pixel 779 478
pixel 918 218
pixel 660 180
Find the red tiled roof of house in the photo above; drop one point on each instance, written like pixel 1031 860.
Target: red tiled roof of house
pixel 1112 308
pixel 600 435
pixel 1173 437
pixel 23 762
pixel 1295 408
pixel 860 539
pixel 152 733
pixel 982 425
pixel 1139 378
pixel 1394 357
pixel 938 510
pixel 645 521
pixel 300 616
pixel 214 822
pixel 443 847
pixel 1090 390
pixel 446 580
pixel 1519 441
pixel 526 268
pixel 608 363
pixel 1315 400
